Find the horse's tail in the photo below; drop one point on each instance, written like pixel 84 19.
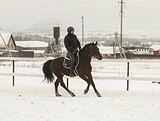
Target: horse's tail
pixel 47 72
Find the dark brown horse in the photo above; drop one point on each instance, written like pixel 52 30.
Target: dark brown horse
pixel 84 69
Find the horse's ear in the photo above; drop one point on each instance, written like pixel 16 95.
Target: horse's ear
pixel 92 43
pixel 95 43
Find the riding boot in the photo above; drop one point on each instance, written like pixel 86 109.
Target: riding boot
pixel 71 73
pixel 72 60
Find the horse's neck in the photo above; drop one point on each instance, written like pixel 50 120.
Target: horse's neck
pixel 86 56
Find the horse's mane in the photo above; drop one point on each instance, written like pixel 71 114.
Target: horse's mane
pixel 86 46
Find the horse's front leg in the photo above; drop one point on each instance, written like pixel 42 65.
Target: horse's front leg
pixel 93 85
pixel 87 89
pixel 85 78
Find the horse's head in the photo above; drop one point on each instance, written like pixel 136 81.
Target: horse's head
pixel 95 51
pixel 91 49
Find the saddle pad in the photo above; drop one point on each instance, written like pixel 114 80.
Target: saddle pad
pixel 66 62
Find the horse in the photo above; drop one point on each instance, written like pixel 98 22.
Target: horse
pixel 84 69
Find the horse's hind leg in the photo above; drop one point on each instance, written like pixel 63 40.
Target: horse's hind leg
pixel 64 86
pixel 56 88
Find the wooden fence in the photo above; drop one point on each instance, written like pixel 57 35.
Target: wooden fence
pixel 127 61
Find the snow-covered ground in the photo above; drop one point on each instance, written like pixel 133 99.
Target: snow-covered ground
pixel 33 100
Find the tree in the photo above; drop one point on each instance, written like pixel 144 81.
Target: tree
pixel 51 48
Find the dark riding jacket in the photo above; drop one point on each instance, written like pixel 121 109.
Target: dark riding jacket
pixel 71 42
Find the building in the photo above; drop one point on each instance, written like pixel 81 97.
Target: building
pixel 37 47
pixel 156 49
pixel 139 50
pixel 31 45
pixel 7 42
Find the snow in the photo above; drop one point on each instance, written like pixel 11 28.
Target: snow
pixel 155 47
pixel 33 100
pixel 35 51
pixel 106 49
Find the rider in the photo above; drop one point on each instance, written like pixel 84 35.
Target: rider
pixel 72 44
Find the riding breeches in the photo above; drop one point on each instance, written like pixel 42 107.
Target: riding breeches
pixel 72 58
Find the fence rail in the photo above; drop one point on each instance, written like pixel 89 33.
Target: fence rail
pixel 104 60
pixel 127 61
pixel 95 77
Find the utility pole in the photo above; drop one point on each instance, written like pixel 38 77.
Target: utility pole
pixel 116 38
pixel 121 28
pixel 82 18
pixel 121 23
pixel 115 44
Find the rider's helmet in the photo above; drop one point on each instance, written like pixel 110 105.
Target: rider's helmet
pixel 69 29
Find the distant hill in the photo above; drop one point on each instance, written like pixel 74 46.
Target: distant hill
pixel 108 41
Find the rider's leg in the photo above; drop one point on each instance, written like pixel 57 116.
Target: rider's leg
pixel 72 60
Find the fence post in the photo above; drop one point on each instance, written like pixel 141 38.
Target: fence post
pixel 128 75
pixel 13 70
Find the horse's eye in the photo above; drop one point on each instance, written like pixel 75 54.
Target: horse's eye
pixel 93 51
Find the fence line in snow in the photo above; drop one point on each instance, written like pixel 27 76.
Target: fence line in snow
pixel 95 60
pixel 127 77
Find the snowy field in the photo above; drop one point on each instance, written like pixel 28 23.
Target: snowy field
pixel 33 100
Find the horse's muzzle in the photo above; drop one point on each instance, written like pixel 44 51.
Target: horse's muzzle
pixel 98 57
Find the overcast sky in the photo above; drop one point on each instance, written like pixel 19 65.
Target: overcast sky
pixel 140 16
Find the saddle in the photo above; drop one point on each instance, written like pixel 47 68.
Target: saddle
pixel 66 61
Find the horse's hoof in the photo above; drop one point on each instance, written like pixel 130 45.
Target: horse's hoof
pixel 73 95
pixel 58 95
pixel 85 92
pixel 99 95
